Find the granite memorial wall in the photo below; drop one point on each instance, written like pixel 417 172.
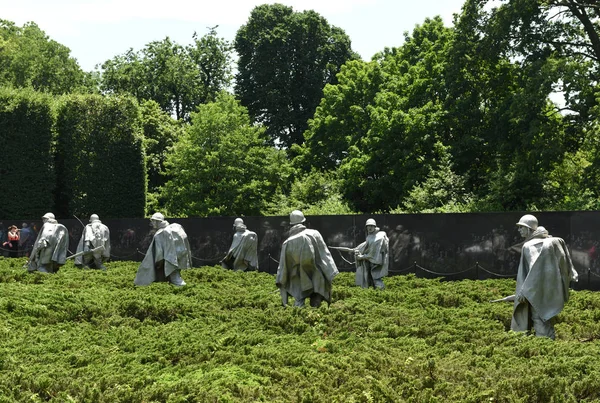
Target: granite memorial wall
pixel 452 246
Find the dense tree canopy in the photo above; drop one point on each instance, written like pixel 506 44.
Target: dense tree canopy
pixel 378 125
pixel 161 131
pixel 222 165
pixel 471 103
pixel 499 112
pixel 178 78
pixel 343 116
pixel 505 66
pixel 29 58
pixel 285 60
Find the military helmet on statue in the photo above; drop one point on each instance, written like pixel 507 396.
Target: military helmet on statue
pixel 296 217
pixel 157 217
pixel 370 221
pixel 528 221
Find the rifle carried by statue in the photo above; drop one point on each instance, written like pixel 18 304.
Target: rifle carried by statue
pixel 344 249
pixel 510 298
pixel 87 252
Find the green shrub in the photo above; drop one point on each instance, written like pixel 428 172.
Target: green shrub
pixel 92 336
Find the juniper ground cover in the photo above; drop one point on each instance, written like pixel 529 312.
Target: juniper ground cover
pixel 92 336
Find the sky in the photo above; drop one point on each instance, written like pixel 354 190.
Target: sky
pixel 98 30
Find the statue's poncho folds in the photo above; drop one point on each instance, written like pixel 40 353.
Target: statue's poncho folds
pixel 95 234
pixel 243 252
pixel 170 244
pixel 306 265
pixel 375 266
pixel 545 271
pixel 50 248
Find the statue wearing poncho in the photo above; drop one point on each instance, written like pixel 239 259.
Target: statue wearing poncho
pixel 545 271
pixel 306 267
pixel 242 254
pixel 94 235
pixel 372 257
pixel 49 251
pixel 168 253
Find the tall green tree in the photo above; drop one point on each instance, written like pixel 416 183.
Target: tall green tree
pixel 178 78
pixel 504 65
pixel 407 121
pixel 222 165
pixel 473 104
pixel 285 60
pixel 564 34
pixel 343 117
pixel 378 125
pixel 29 58
pixel 442 191
pixel 161 131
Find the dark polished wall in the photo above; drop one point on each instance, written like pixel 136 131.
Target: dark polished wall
pixel 453 246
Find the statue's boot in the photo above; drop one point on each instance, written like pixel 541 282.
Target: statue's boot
pixel 175 279
pixel 98 263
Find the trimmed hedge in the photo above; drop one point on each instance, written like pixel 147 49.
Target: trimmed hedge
pixel 100 161
pixel 27 175
pixel 73 155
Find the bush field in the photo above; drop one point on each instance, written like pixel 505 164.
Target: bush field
pixel 92 336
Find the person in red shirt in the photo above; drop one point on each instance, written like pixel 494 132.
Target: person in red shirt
pixel 12 242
